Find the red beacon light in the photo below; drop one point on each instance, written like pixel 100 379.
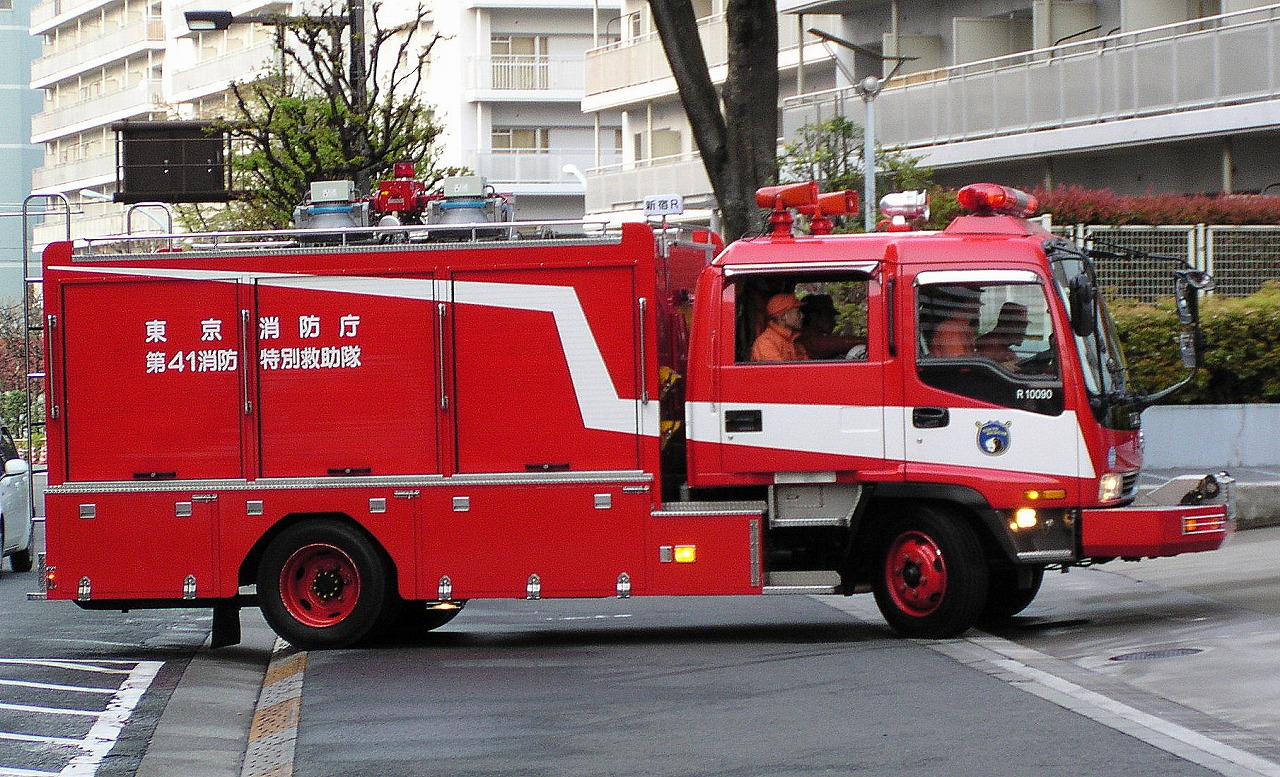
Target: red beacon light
pixel 779 199
pixel 987 199
pixel 841 203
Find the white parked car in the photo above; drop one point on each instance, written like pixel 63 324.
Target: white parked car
pixel 16 528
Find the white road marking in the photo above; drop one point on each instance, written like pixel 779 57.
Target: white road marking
pixel 54 687
pixel 108 722
pixel 1156 731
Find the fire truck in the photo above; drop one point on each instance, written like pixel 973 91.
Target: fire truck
pixel 359 428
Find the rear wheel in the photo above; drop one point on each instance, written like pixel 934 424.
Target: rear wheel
pixel 932 578
pixel 323 584
pixel 1004 598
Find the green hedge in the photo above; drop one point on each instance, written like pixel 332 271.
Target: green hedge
pixel 1242 348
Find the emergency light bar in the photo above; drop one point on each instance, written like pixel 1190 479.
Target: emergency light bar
pixel 987 199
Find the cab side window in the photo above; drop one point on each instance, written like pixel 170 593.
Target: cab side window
pixel 801 318
pixel 989 341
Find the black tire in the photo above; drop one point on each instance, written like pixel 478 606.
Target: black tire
pixel 21 560
pixel 413 620
pixel 931 577
pixel 1004 598
pixel 323 584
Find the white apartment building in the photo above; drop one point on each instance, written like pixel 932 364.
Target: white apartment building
pixel 507 83
pixel 1177 96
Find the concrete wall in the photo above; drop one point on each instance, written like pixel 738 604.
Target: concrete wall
pixel 1212 436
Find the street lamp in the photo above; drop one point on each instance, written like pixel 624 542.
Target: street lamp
pixel 868 89
pixel 208 21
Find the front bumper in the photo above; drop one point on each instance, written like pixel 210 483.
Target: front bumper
pixel 1189 514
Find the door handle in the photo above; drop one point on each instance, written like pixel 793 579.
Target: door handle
pixel 930 417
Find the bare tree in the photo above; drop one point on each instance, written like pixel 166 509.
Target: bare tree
pixel 738 143
pixel 306 121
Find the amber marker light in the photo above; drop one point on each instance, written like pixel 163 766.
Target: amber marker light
pixel 685 554
pixel 1048 493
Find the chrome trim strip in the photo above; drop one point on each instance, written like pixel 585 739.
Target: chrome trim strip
pixel 798 589
pixel 1045 556
pixel 373 481
pixel 869 268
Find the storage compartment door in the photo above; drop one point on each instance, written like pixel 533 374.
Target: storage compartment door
pixel 347 376
pixel 546 370
pixel 153 380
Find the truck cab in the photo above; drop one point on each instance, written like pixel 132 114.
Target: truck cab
pixel 973 385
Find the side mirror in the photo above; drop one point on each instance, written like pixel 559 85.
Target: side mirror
pixel 1191 345
pixel 16 467
pixel 1187 296
pixel 1082 299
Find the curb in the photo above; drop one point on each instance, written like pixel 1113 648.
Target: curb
pixel 273 735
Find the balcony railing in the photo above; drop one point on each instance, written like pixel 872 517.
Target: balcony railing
pixel 537 167
pixel 641 59
pixel 625 186
pixel 501 72
pixel 45 12
pixel 215 73
pixel 1210 62
pixel 116 44
pixel 140 98
pixel 74 173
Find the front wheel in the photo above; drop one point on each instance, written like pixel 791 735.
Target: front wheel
pixel 323 584
pixel 932 578
pixel 1005 598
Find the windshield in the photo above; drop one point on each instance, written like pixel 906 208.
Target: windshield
pixel 1105 372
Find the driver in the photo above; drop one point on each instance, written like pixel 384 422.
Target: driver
pixel 777 343
pixel 1010 330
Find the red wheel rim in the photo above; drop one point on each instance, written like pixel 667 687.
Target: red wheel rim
pixel 915 573
pixel 319 585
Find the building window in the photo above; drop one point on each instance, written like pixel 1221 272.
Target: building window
pixel 519 61
pixel 520 140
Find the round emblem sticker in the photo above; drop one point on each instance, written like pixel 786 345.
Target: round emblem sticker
pixel 993 437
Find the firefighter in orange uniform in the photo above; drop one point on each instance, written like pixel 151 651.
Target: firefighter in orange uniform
pixel 777 343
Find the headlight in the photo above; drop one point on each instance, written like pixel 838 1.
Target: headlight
pixel 1110 487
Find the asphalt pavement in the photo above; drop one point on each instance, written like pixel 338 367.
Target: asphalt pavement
pixel 209 723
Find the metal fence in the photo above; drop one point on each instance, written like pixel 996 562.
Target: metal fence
pixel 1241 258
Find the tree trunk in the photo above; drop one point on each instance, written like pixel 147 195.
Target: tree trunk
pixel 738 146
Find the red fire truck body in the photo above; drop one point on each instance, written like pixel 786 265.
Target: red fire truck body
pixel 373 433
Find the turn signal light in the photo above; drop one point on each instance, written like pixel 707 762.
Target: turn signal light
pixel 1204 523
pixel 1048 493
pixel 987 199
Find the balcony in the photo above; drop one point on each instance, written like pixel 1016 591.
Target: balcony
pixel 46 15
pixel 641 60
pixel 1158 76
pixel 75 175
pixel 143 97
pixel 621 187
pixel 517 77
pixel 215 73
pixel 117 44
pixel 538 170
